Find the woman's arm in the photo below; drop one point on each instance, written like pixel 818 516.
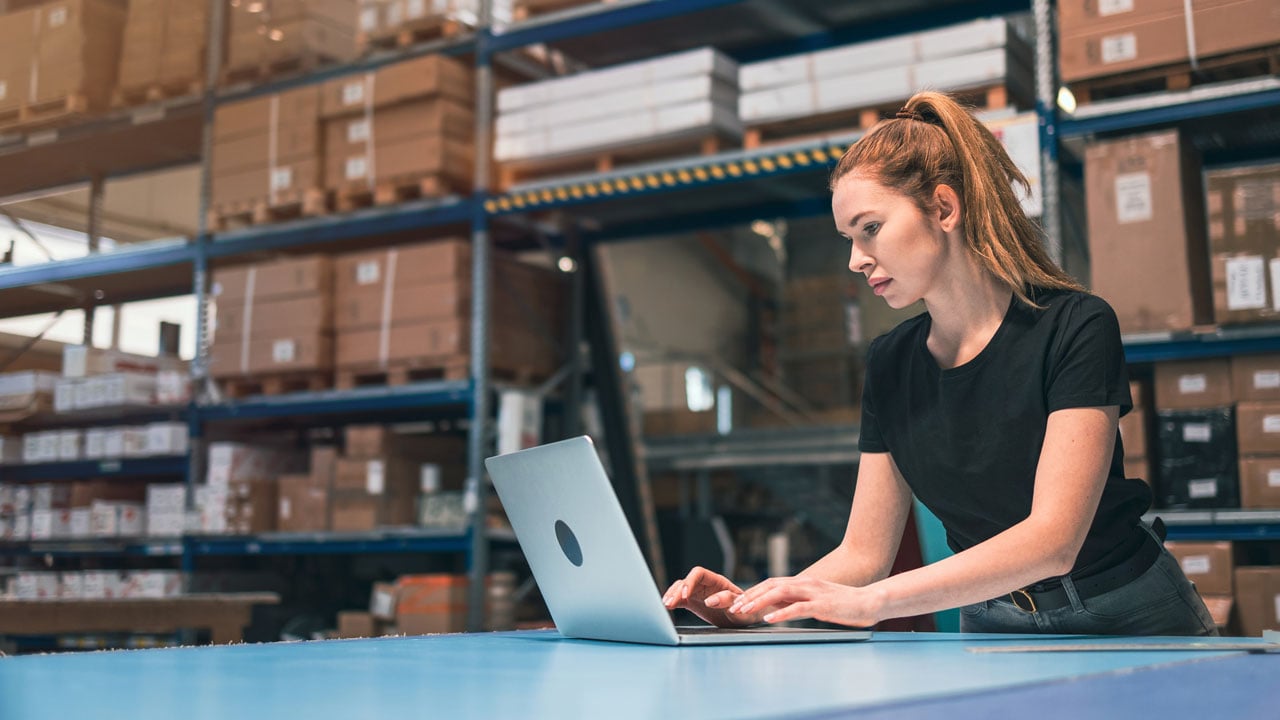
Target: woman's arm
pixel 1070 477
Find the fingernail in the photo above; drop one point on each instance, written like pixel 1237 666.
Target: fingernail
pixel 712 602
pixel 686 592
pixel 735 608
pixel 769 617
pixel 747 607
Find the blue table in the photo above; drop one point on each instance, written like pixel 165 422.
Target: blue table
pixel 538 674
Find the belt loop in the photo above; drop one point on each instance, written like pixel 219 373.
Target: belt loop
pixel 1070 586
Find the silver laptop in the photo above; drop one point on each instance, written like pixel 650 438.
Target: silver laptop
pixel 587 562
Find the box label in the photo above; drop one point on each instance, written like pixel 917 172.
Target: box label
pixel 1133 198
pixel 1246 283
pixel 1273 478
pixel 1201 489
pixel 286 508
pixel 58 17
pixel 429 478
pixel 1193 384
pixel 1266 380
pixel 1271 424
pixel 395 14
pixel 382 605
pixel 414 9
pixel 1114 7
pixel 283 351
pixel 376 477
pixel 281 178
pixel 369 19
pixel 1196 565
pixel 353 93
pixel 358 132
pixel 1119 48
pixel 357 168
pixel 368 272
pixel 4 89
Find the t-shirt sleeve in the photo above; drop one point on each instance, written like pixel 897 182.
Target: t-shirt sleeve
pixel 869 437
pixel 1088 367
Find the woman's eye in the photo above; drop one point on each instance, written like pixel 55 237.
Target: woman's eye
pixel 871 228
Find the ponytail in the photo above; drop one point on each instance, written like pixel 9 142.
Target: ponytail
pixel 935 141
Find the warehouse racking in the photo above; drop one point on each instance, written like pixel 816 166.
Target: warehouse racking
pixel 729 187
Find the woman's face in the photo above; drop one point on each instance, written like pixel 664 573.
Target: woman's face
pixel 892 243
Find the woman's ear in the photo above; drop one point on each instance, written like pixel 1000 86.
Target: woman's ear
pixel 947 203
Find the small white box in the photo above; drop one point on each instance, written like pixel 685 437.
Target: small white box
pixel 81 523
pixel 50 496
pixel 18 389
pixel 133 520
pixel 80 361
pixel 166 497
pixel 69 445
pixel 113 443
pixel 135 441
pixel 128 389
pixel 104 585
pixel 166 524
pixel 154 584
pixel 50 524
pixel 167 438
pixel 36 586
pixel 172 388
pixel 72 586
pixel 22 499
pixel 22 526
pixel 64 396
pixel 95 443
pixel 117 519
pixel 88 393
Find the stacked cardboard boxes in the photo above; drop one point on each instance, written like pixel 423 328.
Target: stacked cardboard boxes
pixel 819 328
pixel 411 307
pixel 654 100
pixel 61 55
pixel 980 54
pixel 432 604
pixel 242 493
pixel 1135 433
pixel 1243 206
pixel 273 318
pixel 1210 565
pixel 1255 381
pixel 1145 211
pixel 1097 39
pixel 1258 599
pixel 1197 430
pixel 25 393
pixel 386 22
pixel 402 122
pixel 164 47
pixel 380 476
pixel 305 33
pixel 267 150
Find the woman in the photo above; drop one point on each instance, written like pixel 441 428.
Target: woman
pixel 997 408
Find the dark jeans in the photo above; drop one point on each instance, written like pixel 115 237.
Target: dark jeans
pixel 1161 601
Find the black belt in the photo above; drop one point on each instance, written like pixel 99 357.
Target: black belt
pixel 1050 594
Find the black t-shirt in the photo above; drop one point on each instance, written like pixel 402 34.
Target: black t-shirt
pixel 967 439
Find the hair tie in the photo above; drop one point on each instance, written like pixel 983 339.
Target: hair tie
pixel 906 114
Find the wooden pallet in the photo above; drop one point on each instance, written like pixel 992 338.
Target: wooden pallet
pixel 992 97
pixel 396 190
pixel 270 70
pixel 277 383
pixel 409 33
pixel 457 367
pixel 155 92
pixel 287 205
pixel 29 116
pixel 514 172
pixel 1180 76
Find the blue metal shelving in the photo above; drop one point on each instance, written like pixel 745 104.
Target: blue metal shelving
pixel 423 541
pixel 337 402
pixel 98 547
pixel 1172 107
pixel 1213 525
pixel 175 466
pixel 144 256
pixel 1215 343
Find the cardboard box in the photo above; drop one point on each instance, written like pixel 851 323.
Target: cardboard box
pixel 306 314
pixel 304 506
pixel 272 354
pixel 431 604
pixel 1207 564
pixel 1193 384
pixel 356 624
pixel 258 116
pixel 62 49
pixel 1255 378
pixel 1198 460
pixel 1145 210
pixel 1258 598
pixel 354 511
pixel 1260 482
pixel 425 77
pixel 233 462
pixel 253 506
pixel 445 342
pixel 281 279
pixel 1243 207
pixel 306 37
pixel 1258 428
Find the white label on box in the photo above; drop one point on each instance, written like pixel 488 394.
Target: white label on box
pixel 286 508
pixel 1275 283
pixel 429 478
pixel 414 9
pixel 353 93
pixel 383 605
pixel 1119 48
pixel 368 272
pixel 1273 478
pixel 1114 7
pixel 283 351
pixel 281 179
pixel 369 19
pixel 1133 198
pixel 1196 565
pixel 1201 489
pixel 4 89
pixel 1271 424
pixel 1246 283
pixel 57 17
pixel 1193 384
pixel 1266 380
pixel 357 167
pixel 358 132
pixel 375 477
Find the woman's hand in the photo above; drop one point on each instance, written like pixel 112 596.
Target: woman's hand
pixel 708 595
pixel 792 598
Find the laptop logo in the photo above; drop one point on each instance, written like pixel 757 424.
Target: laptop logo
pixel 569 543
